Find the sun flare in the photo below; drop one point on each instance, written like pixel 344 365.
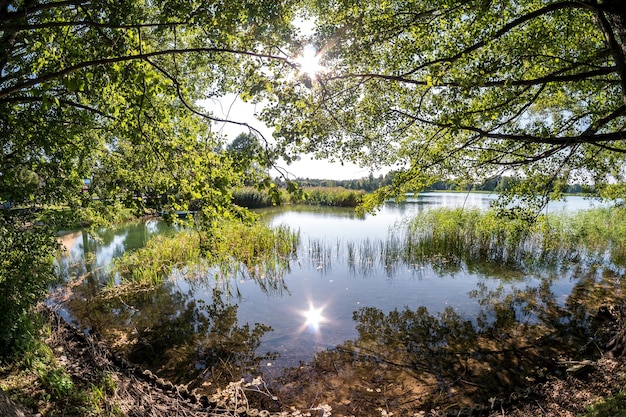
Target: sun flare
pixel 309 62
pixel 313 318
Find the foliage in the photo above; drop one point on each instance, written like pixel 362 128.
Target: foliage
pixel 39 380
pixel 26 272
pixel 464 91
pixel 614 406
pixel 100 109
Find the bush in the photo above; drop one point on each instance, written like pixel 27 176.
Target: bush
pixel 26 273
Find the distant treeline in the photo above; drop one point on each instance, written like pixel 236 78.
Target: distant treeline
pixel 349 193
pixel 368 184
pixel 498 184
pixel 372 183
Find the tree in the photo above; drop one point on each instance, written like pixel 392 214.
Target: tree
pixel 84 80
pixel 109 91
pixel 244 150
pixel 467 90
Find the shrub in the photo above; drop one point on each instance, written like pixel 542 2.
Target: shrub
pixel 26 272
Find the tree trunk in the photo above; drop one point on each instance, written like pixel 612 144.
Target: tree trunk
pixel 8 408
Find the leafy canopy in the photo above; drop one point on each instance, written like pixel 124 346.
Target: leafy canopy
pixel 466 90
pixel 108 91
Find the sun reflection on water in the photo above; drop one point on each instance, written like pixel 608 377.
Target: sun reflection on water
pixel 313 318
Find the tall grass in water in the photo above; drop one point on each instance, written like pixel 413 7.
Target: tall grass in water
pixel 263 251
pixel 462 234
pixel 151 264
pixel 314 196
pixel 251 245
pixel 332 196
pixel 252 198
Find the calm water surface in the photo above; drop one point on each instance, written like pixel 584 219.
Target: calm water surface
pixel 310 308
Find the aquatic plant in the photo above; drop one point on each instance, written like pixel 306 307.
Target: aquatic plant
pixel 154 262
pixel 332 196
pixel 263 251
pixel 252 198
pixel 594 235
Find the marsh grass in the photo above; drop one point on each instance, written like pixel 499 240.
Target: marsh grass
pixel 234 248
pixel 162 254
pixel 332 196
pixel 313 196
pixel 591 236
pixel 255 252
pixel 447 239
pixel 252 198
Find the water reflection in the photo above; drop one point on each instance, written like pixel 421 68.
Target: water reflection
pixel 448 359
pixel 313 319
pixel 175 334
pixel 369 312
pixel 89 255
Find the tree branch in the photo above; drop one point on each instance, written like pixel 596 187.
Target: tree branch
pixel 141 56
pixel 28 11
pixel 499 33
pixel 551 78
pixel 22 99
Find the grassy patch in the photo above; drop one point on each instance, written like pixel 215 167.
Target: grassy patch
pixel 312 196
pixel 462 234
pixel 614 406
pixel 260 249
pixel 154 262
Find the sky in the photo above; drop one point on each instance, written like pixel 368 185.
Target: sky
pixel 232 108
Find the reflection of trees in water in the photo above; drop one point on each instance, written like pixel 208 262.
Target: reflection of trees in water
pixel 179 338
pixel 520 337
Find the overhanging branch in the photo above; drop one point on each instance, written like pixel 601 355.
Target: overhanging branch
pixel 128 58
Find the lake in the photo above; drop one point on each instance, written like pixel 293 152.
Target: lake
pixel 338 291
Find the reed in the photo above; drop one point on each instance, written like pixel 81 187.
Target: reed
pixel 261 250
pixel 596 235
pixel 250 245
pixel 153 263
pixel 332 196
pixel 252 198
